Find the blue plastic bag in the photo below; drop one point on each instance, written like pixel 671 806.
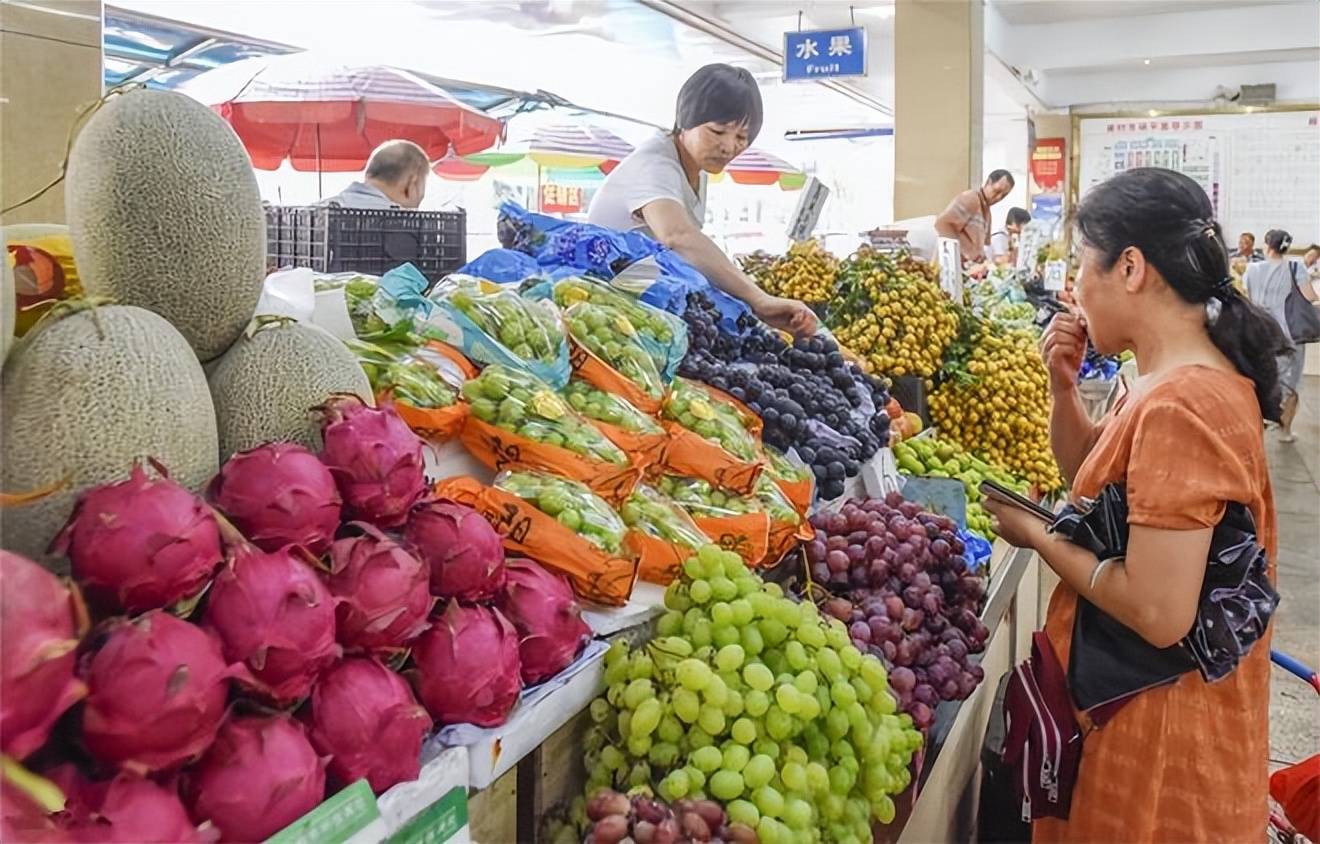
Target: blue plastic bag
pixel 503 266
pixel 401 294
pixel 976 549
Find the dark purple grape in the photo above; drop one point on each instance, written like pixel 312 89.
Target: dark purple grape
pixel 875 547
pixel 889 650
pixel 860 631
pixel 836 543
pixel 820 572
pixel 949 690
pixel 837 561
pixel 925 693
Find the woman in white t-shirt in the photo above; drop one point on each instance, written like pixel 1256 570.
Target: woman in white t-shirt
pixel 660 189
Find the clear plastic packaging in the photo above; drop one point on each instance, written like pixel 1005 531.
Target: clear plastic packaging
pixel 774 502
pixel 692 406
pixel 609 335
pixel 494 324
pixel 518 402
pixel 781 468
pixel 601 406
pixel 649 511
pixel 663 334
pixel 570 503
pixel 705 501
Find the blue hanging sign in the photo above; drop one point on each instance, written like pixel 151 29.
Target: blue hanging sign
pixel 824 54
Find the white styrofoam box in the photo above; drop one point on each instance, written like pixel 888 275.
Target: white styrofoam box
pixel 646 602
pixel 443 769
pixel 450 459
pixel 542 709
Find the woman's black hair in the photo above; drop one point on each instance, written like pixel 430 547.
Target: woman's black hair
pixel 719 93
pixel 1017 216
pixel 1278 240
pixel 1170 219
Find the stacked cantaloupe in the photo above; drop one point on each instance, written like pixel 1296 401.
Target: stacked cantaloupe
pixel 167 224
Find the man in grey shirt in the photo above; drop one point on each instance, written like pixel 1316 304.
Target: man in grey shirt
pixel 395 178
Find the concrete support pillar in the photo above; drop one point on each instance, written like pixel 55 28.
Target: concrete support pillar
pixel 939 53
pixel 50 70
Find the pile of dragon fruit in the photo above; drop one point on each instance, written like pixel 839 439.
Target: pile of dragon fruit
pixel 219 664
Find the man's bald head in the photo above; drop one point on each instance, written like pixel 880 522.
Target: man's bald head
pixel 399 169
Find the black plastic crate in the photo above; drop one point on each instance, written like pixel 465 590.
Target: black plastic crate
pixel 334 240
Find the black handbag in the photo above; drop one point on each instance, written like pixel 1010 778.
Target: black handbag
pixel 1110 663
pixel 1301 315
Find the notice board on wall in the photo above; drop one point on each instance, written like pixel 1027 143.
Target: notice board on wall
pixel 1261 171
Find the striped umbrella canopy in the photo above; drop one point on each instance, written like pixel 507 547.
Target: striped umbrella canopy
pixel 324 115
pixel 563 147
pixel 757 167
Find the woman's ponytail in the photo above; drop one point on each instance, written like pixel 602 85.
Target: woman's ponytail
pixel 1170 219
pixel 1251 339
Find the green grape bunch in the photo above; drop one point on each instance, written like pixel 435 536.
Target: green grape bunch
pixel 521 403
pixel 570 503
pixel 691 405
pixel 526 328
pixel 754 700
pixel 607 334
pixel 601 406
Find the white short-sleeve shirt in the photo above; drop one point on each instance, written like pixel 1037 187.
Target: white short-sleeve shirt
pixel 651 172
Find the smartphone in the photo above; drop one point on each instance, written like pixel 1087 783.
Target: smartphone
pixel 990 489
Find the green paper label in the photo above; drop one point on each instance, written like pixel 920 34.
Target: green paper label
pixel 438 823
pixel 334 821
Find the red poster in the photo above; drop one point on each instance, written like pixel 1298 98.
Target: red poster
pixel 560 199
pixel 1048 163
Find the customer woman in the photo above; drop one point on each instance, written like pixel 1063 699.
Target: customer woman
pixel 1268 284
pixel 660 188
pixel 1184 761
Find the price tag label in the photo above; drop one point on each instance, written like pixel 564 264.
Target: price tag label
pixel 335 821
pixel 1056 275
pixel 951 276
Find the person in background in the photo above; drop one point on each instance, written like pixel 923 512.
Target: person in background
pixel 1185 441
pixel 1246 249
pixel 395 177
pixel 1311 260
pixel 1003 243
pixel 1268 284
pixel 659 189
pixel 968 215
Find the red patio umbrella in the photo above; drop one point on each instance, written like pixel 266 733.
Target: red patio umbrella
pixel 323 115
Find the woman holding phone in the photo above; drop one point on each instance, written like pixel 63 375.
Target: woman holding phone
pixel 1184 761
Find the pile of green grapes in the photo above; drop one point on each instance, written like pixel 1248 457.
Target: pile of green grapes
pixel 752 699
pixel 608 334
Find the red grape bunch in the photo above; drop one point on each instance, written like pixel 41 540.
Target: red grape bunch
pixel 897 577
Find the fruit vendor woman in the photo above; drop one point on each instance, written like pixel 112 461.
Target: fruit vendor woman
pixel 660 189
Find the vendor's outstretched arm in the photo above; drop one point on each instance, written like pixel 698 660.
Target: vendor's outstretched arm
pixel 671 224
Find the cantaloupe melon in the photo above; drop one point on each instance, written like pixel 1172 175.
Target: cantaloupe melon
pixel 266 386
pixel 165 214
pixel 86 395
pixel 8 305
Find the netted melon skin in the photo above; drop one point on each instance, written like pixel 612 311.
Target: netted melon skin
pixel 87 395
pixel 267 386
pixel 165 214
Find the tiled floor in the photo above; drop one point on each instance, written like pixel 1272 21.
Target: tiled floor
pixel 1295 467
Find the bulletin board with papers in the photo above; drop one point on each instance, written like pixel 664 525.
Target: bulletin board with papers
pixel 1261 171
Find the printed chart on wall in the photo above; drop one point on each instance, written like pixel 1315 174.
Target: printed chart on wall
pixel 1261 171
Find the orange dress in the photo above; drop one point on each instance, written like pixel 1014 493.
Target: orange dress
pixel 1187 761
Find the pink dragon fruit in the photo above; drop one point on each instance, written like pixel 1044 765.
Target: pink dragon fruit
pixel 542 609
pixel 140 544
pixel 375 458
pixel 279 494
pixel 464 552
pixel 381 589
pixel 23 819
pixel 274 614
pixel 365 718
pixel 261 775
pixel 126 810
pixel 39 622
pixel 157 691
pixel 467 666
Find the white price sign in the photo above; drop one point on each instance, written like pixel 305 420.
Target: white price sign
pixel 1056 275
pixel 951 276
